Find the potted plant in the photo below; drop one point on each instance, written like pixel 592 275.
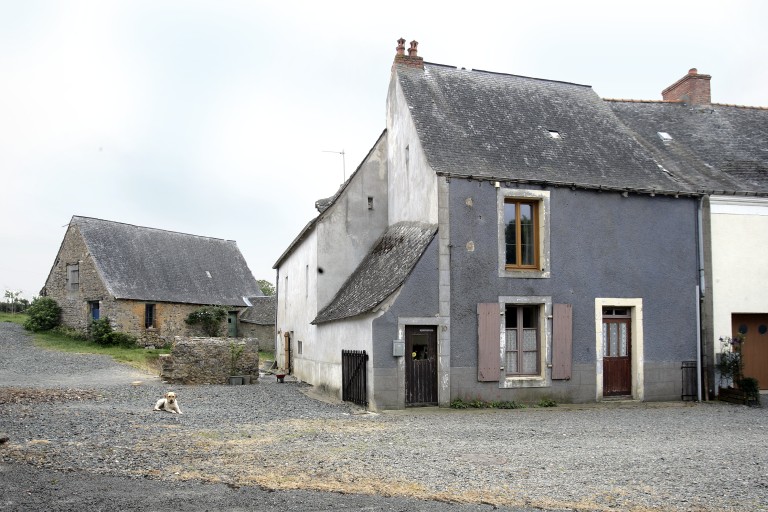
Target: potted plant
pixel 235 353
pixel 734 387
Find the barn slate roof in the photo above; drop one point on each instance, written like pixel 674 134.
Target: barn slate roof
pixel 499 126
pixel 382 271
pixel 261 312
pixel 717 148
pixel 142 263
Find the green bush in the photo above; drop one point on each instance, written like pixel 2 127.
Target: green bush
pixel 44 315
pixel 103 334
pixel 101 331
pixel 209 318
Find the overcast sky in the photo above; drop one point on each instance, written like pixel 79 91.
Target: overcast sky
pixel 214 117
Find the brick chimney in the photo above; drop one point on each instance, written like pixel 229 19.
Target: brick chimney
pixel 693 89
pixel 412 59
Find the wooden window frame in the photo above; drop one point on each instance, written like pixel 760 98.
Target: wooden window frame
pixel 520 334
pixel 150 319
pixel 517 202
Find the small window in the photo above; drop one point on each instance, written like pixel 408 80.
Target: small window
pixel 407 157
pixel 554 134
pixel 94 309
pixel 521 234
pixel 522 340
pixel 149 316
pixel 299 347
pixel 73 277
pixel 370 203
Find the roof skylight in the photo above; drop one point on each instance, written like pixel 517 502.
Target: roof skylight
pixel 554 134
pixel 664 136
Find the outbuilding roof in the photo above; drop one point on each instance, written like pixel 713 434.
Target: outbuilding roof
pixel 149 264
pixel 382 271
pixel 261 311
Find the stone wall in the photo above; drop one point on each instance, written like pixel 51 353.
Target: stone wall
pixel 210 360
pixel 263 334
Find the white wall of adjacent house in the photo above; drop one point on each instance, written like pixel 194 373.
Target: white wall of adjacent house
pixel 412 181
pixel 739 259
pixel 324 358
pixel 348 229
pixel 297 301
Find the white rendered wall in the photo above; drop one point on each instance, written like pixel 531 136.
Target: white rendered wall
pixel 412 187
pixel 739 259
pixel 324 357
pixel 296 299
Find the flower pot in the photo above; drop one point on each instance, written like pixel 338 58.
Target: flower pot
pixel 239 380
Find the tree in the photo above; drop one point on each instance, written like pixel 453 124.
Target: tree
pixel 267 288
pixel 13 299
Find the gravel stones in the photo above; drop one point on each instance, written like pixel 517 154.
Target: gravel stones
pixel 671 456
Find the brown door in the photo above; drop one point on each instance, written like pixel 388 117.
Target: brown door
pixel 617 353
pixel 755 348
pixel 420 365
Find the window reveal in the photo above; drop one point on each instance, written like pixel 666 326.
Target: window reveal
pixel 521 234
pixel 149 316
pixel 522 340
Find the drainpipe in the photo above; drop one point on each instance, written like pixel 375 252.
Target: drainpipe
pixel 700 291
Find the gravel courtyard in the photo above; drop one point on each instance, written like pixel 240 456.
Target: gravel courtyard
pixel 74 415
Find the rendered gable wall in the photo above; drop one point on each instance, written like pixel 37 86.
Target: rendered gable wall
pixel 412 182
pixel 349 228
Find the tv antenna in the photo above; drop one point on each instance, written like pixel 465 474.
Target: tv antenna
pixel 343 163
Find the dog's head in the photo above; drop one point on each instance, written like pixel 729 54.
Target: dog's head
pixel 170 397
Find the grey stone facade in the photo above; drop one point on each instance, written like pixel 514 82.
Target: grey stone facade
pixel 210 360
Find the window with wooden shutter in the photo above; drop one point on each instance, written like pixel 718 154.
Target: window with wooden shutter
pixel 562 341
pixel 488 339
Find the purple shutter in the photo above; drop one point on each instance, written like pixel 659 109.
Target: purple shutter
pixel 488 336
pixel 562 338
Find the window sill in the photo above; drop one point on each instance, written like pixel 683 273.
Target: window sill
pixel 525 381
pixel 525 274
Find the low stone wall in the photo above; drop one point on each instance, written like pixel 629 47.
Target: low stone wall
pixel 210 360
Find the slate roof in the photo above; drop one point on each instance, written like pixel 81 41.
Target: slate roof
pixel 141 263
pixel 716 148
pixel 262 311
pixel 497 126
pixel 382 271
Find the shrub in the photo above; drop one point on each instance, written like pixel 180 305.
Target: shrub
pixel 209 318
pixel 101 331
pixel 546 402
pixel 103 334
pixel 44 315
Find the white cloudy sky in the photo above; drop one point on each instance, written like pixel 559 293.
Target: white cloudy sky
pixel 212 117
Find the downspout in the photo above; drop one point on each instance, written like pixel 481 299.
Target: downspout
pixel 700 292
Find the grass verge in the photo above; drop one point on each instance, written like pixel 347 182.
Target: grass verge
pixel 16 318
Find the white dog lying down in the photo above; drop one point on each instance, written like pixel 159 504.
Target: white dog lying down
pixel 168 403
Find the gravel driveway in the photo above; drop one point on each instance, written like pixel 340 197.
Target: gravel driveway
pixel 77 421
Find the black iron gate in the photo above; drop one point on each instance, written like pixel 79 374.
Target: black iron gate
pixel 354 377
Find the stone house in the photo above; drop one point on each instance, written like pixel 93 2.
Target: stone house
pixel 257 321
pixel 506 238
pixel 146 280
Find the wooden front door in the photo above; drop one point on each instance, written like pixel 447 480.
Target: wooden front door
pixel 755 347
pixel 232 324
pixel 617 352
pixel 420 365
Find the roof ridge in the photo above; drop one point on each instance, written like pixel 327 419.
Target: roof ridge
pixel 629 100
pixel 151 228
pixel 506 74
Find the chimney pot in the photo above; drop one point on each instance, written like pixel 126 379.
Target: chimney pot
pixel 413 50
pixel 693 71
pixel 400 46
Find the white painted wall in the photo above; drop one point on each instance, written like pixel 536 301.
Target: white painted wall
pixel 739 259
pixel 297 300
pixel 324 357
pixel 412 187
pixel 348 229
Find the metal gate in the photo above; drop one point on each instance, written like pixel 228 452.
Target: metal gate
pixel 354 377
